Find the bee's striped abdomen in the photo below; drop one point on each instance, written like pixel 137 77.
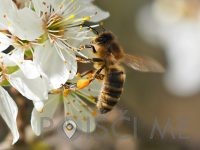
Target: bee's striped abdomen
pixel 112 88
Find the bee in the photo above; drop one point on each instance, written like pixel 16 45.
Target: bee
pixel 109 56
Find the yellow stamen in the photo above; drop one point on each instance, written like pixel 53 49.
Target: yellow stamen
pixel 63 20
pixel 86 18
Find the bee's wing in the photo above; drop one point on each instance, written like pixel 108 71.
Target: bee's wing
pixel 143 64
pixel 79 112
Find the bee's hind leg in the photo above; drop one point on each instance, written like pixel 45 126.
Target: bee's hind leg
pixel 97 73
pixel 100 76
pixel 82 83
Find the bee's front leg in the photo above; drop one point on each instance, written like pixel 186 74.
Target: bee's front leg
pixel 89 46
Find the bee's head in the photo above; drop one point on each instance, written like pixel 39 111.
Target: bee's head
pixel 104 38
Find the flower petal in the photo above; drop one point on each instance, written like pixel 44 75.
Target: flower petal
pixel 93 89
pixel 88 9
pixel 7 7
pixel 70 61
pixel 33 89
pixel 77 111
pixel 25 29
pixel 39 106
pixel 9 110
pixel 4 42
pixel 76 36
pixel 42 6
pixel 7 61
pixel 49 109
pixel 28 67
pixel 51 64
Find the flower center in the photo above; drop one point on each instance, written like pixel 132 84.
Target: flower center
pixel 54 27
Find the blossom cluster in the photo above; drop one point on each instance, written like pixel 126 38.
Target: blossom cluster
pixel 43 37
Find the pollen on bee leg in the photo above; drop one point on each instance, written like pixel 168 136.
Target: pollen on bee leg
pixel 82 83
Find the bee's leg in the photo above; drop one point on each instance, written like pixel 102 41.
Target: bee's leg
pixel 97 60
pixel 88 60
pixel 100 76
pixel 90 46
pixel 83 59
pixel 69 86
pixel 86 73
pixel 97 73
pixel 82 83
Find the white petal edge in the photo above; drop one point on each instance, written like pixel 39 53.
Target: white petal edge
pixel 49 109
pixel 39 106
pixel 95 12
pixel 9 110
pixel 4 42
pixel 33 89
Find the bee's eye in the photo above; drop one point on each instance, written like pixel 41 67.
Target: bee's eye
pixel 101 40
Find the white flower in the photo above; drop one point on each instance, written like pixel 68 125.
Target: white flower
pixel 34 89
pixel 180 36
pixel 8 111
pixel 20 33
pixel 52 33
pixel 22 23
pixel 8 108
pixel 62 23
pixel 57 67
pixel 75 108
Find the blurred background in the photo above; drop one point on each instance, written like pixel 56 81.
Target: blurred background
pixel 156 111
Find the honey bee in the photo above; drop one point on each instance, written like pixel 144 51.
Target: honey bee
pixel 109 56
